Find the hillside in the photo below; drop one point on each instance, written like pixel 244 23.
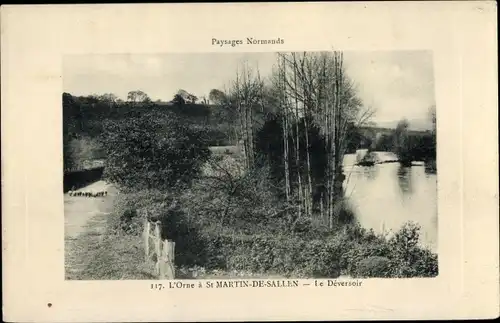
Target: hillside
pixel 85 117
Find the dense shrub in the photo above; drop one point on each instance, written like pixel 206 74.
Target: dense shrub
pixel 244 202
pixel 318 252
pixel 411 259
pixel 131 208
pixel 151 151
pixel 323 258
pixel 406 258
pixel 315 251
pixel 374 266
pixel 287 256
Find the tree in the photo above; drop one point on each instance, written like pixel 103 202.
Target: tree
pixel 179 100
pixel 323 96
pixel 69 126
pixel 151 150
pixel 217 97
pixel 137 96
pixel 246 95
pixel 188 97
pixel 108 97
pixel 402 147
pixel 313 105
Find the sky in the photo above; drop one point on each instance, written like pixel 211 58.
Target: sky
pixel 397 84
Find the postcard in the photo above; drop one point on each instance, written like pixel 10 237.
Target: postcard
pixel 240 162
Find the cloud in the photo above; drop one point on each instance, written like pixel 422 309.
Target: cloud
pixel 397 83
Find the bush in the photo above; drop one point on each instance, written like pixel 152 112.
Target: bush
pixel 406 258
pixel 151 150
pixel 277 254
pixel 354 251
pixel 323 258
pixel 243 202
pixel 375 266
pixel 130 209
pixel 411 260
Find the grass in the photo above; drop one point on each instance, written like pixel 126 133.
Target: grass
pixel 96 255
pixel 116 257
pixel 93 251
pixel 201 273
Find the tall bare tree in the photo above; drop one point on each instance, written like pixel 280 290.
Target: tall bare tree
pixel 246 95
pixel 324 94
pixel 311 91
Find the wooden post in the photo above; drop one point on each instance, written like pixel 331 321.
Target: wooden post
pixel 146 238
pixel 172 258
pixel 167 266
pixel 164 260
pixel 157 240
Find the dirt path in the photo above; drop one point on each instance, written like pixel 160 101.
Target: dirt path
pixel 84 224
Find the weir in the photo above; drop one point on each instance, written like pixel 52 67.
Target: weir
pixel 82 177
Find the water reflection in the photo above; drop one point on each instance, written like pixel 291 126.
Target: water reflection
pixel 404 179
pixel 388 195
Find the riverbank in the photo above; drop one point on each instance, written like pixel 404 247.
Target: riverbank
pixel 96 249
pixel 387 195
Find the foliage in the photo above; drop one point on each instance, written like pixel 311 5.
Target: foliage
pixel 317 252
pixel 262 213
pixel 178 99
pixel 374 266
pixel 151 151
pixel 225 196
pixel 85 117
pixel 402 142
pixel 186 96
pixel 399 256
pixel 217 97
pixel 355 252
pixel 138 96
pixel 270 151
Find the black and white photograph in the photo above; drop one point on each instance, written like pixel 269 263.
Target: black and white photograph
pixel 250 165
pixel 250 162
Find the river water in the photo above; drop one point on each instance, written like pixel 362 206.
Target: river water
pixel 385 196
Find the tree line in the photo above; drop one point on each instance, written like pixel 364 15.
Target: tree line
pixel 85 116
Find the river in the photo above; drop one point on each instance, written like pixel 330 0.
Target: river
pixel 387 195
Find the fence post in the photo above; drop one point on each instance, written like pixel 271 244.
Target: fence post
pixel 157 237
pixel 164 260
pixel 146 238
pixel 172 258
pixel 168 260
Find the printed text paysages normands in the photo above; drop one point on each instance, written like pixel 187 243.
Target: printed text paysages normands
pixel 248 41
